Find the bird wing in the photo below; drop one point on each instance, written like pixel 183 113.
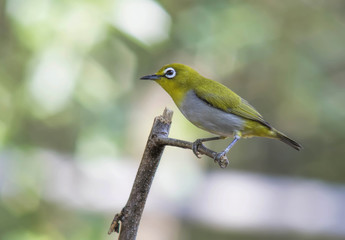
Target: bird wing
pixel 245 110
pixel 221 97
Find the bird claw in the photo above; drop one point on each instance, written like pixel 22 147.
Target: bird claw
pixel 221 159
pixel 195 146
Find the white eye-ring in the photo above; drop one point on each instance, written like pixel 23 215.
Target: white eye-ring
pixel 169 72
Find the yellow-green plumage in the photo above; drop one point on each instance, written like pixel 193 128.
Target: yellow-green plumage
pixel 186 86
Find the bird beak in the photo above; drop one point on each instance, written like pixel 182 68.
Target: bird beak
pixel 151 77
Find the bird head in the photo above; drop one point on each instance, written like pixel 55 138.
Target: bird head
pixel 175 78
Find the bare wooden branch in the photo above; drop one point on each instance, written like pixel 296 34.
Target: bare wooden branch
pixel 131 214
pixel 223 162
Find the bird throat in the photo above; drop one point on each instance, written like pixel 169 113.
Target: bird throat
pixel 177 94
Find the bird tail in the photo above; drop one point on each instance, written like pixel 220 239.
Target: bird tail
pixel 289 141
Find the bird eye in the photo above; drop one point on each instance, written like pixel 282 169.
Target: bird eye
pixel 169 73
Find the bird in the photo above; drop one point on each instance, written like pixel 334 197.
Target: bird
pixel 214 108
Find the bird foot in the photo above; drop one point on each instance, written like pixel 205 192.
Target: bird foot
pixel 195 146
pixel 221 159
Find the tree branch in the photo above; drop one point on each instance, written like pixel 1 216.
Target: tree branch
pixel 131 214
pixel 223 162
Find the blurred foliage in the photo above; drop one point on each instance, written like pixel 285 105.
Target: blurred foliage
pixel 202 233
pixel 69 82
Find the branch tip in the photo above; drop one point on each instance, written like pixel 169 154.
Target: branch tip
pixel 166 117
pixel 223 162
pixel 115 224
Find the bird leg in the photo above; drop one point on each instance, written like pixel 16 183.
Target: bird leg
pixel 199 142
pixel 227 149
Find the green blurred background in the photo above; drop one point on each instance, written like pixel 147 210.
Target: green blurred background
pixel 74 117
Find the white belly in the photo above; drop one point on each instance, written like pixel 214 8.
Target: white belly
pixel 209 118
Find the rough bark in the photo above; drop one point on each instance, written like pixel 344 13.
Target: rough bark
pixel 131 214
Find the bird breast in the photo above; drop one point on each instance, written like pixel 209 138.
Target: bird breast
pixel 209 118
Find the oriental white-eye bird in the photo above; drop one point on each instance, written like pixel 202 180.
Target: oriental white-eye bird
pixel 213 107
